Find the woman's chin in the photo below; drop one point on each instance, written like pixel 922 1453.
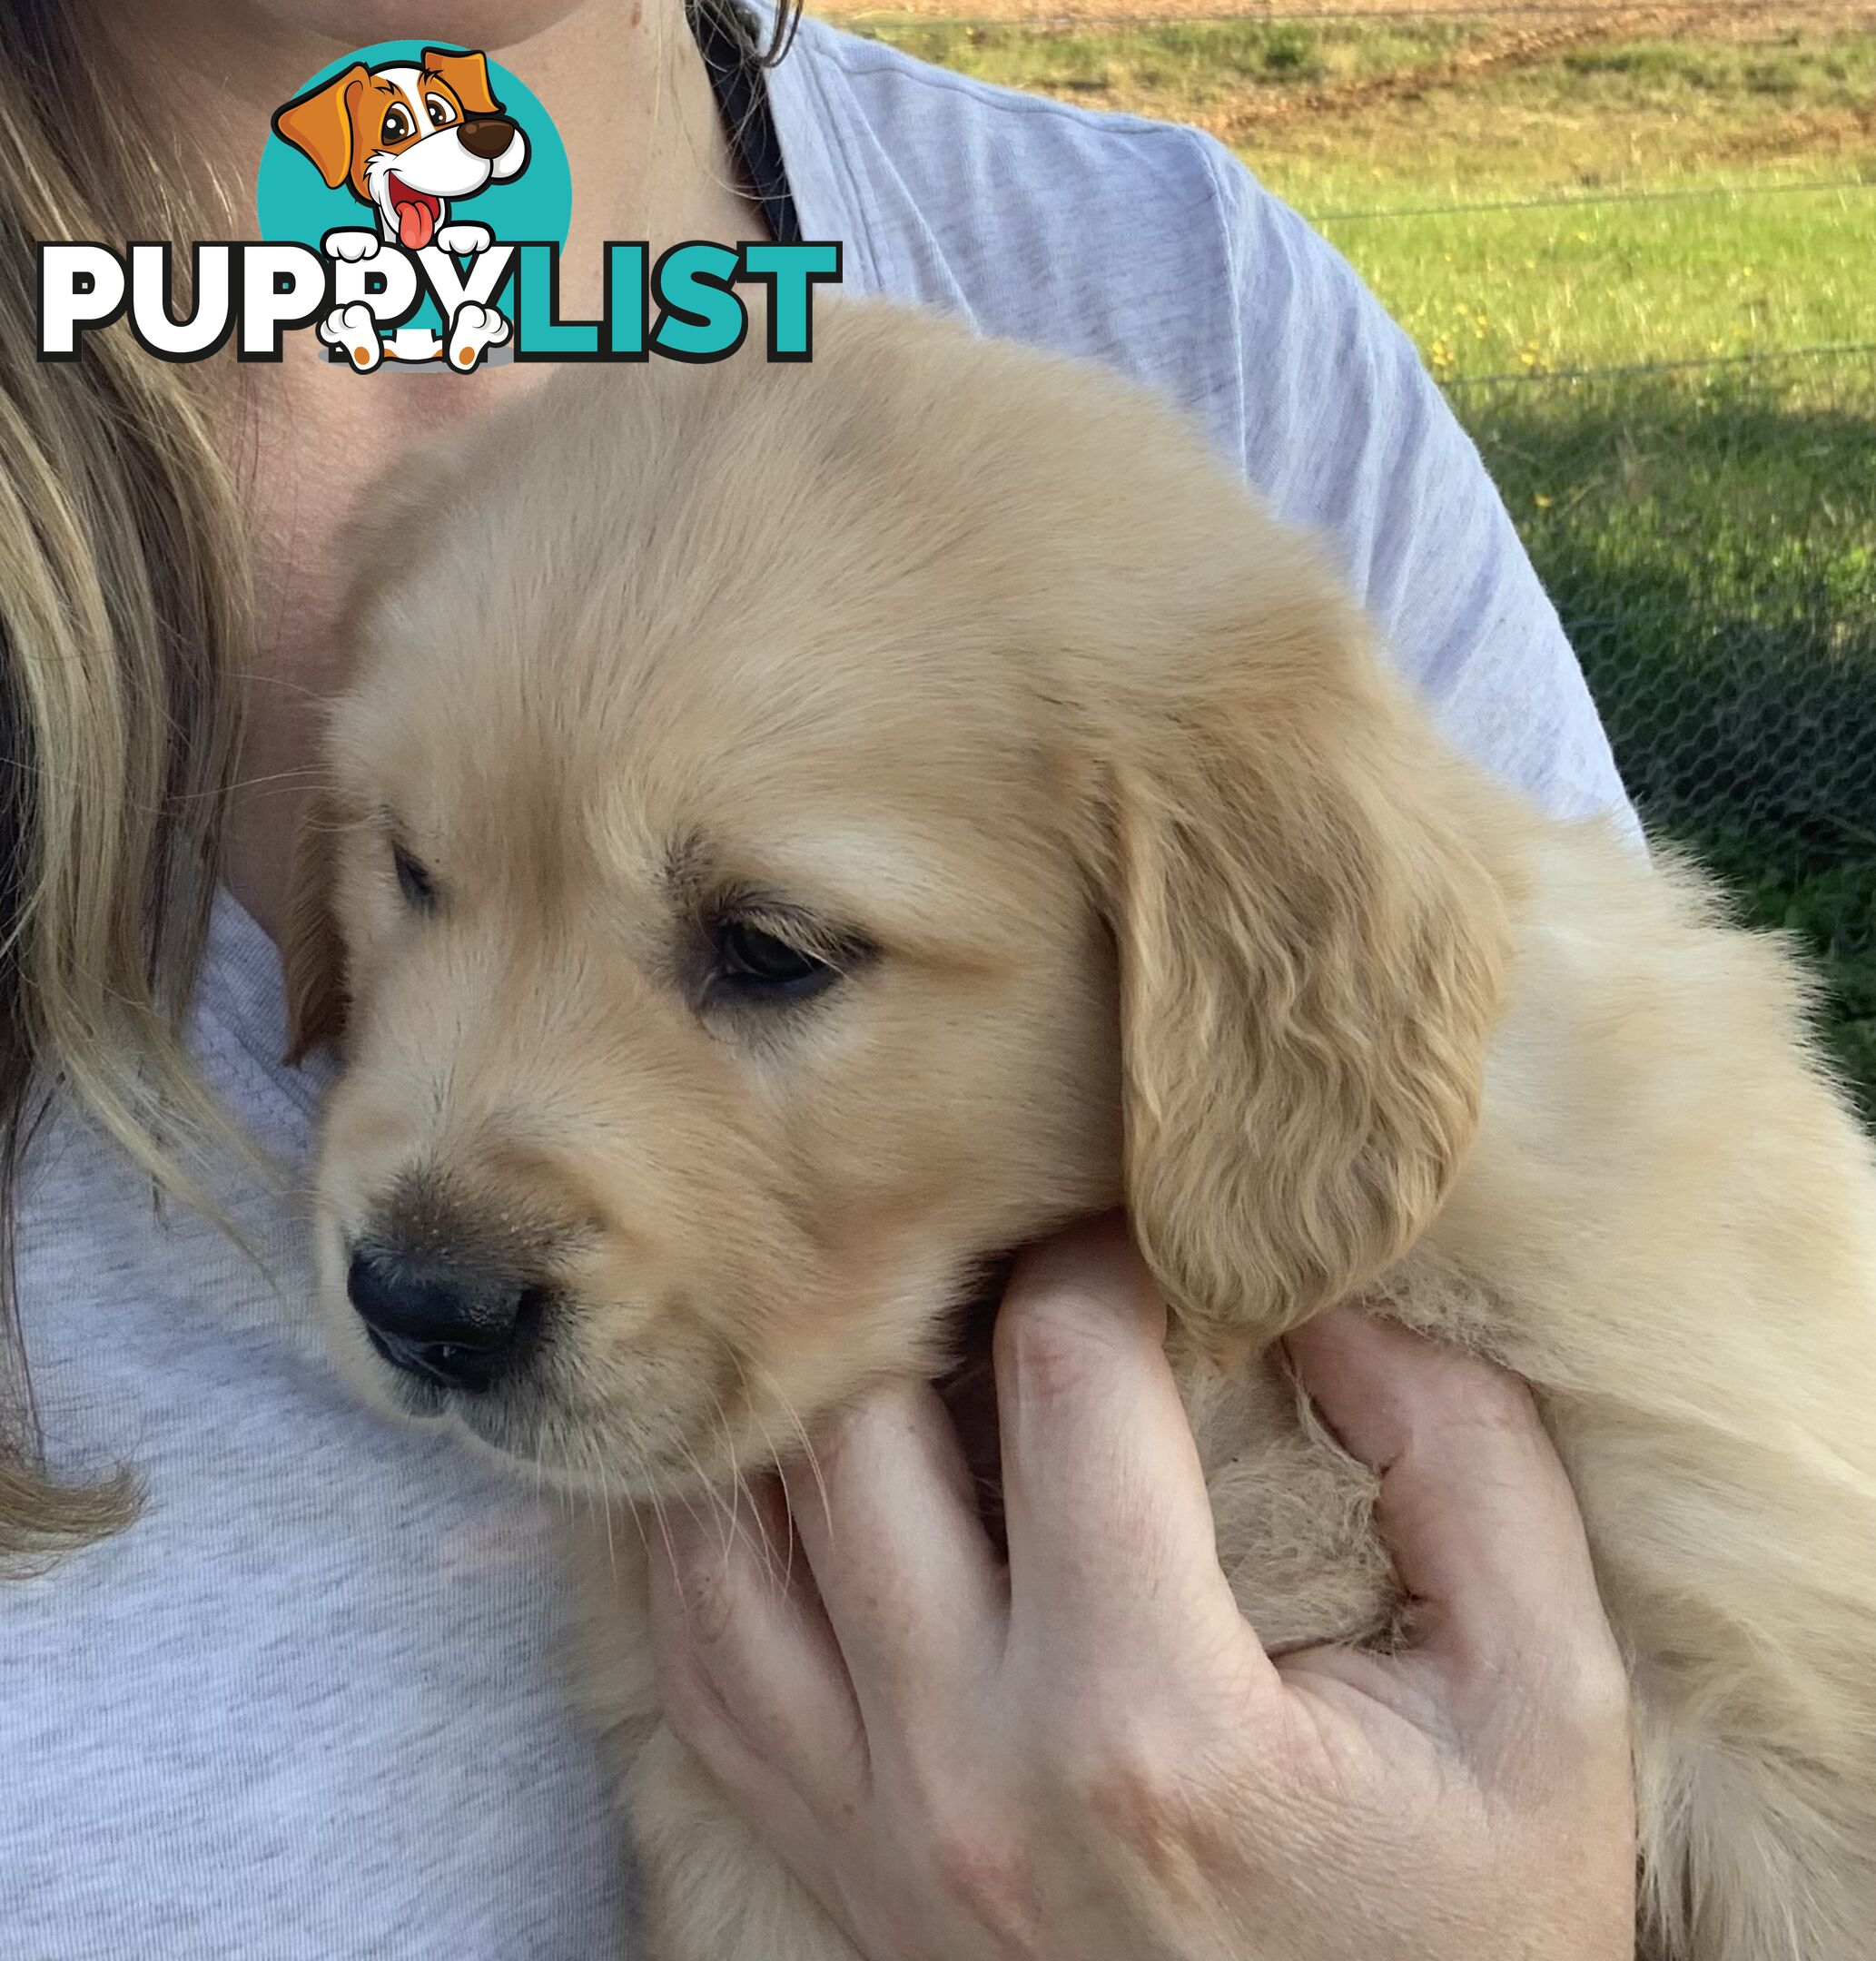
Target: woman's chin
pixel 489 25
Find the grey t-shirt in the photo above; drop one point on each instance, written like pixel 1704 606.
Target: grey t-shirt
pixel 307 1707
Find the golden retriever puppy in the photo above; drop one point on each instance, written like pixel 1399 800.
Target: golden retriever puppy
pixel 792 834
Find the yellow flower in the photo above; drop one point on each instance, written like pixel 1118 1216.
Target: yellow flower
pixel 1540 500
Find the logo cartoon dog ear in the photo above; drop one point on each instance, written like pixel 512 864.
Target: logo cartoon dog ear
pixel 319 123
pixel 468 75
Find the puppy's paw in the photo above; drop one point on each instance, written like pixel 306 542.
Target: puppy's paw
pixel 350 246
pixel 474 329
pixel 354 331
pixel 465 238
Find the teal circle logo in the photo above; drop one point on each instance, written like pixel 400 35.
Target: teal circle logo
pixel 407 145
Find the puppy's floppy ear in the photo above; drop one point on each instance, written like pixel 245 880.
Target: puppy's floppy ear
pixel 467 73
pixel 312 953
pixel 319 123
pixel 1310 950
pixel 395 520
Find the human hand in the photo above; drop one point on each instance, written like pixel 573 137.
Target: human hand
pixel 1088 1754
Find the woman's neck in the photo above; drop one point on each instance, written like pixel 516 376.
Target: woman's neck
pixel 650 159
pixel 623 82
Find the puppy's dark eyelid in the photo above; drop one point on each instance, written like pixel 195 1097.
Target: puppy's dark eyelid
pixel 415 880
pixel 838 946
pixel 770 953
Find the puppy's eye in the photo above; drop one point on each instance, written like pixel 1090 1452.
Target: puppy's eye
pixel 442 113
pixel 754 964
pixel 413 880
pixel 397 123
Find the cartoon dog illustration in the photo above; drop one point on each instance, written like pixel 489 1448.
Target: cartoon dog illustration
pixel 408 140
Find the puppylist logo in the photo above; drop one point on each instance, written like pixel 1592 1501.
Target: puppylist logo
pixel 413 204
pixel 409 141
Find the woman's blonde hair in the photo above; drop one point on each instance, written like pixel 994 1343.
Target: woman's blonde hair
pixel 121 609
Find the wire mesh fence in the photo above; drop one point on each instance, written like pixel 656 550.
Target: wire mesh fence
pixel 1730 636
pixel 1708 531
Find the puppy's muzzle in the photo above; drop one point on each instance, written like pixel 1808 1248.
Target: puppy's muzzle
pixel 487 136
pixel 456 1326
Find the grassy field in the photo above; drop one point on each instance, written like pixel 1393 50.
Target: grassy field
pixel 1709 530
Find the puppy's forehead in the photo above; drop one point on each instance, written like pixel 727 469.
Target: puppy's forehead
pixel 771 599
pixel 653 660
pixel 813 761
pixel 822 770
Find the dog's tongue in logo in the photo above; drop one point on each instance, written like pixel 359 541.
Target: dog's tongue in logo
pixel 417 213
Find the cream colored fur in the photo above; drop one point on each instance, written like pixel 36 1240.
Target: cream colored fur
pixel 1175 895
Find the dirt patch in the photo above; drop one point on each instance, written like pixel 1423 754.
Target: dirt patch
pixel 1519 47
pixel 1041 15
pixel 1521 37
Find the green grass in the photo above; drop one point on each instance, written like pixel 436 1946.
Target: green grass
pixel 1709 534
pixel 1535 290
pixel 1757 260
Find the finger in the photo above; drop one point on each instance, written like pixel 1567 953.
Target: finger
pixel 1112 1550
pixel 750 1674
pixel 912 1592
pixel 1475 1505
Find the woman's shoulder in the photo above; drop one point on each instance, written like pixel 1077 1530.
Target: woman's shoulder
pixel 942 117
pixel 1147 244
pixel 1091 231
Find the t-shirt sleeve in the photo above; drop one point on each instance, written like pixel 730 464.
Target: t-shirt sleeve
pixel 1345 430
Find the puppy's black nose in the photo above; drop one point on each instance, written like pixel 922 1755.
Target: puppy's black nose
pixel 441 1319
pixel 487 136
